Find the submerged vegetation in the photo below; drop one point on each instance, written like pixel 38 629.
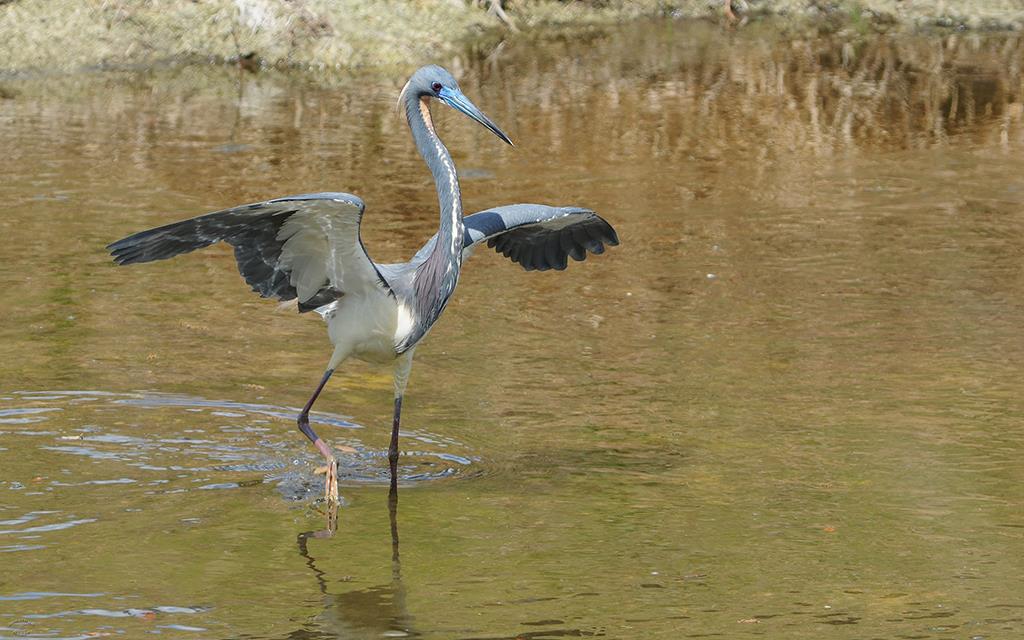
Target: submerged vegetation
pixel 64 35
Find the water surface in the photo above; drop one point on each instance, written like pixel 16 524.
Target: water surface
pixel 789 405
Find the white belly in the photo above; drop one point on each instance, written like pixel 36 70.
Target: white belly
pixel 364 326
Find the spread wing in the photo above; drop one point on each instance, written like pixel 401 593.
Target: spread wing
pixel 306 246
pixel 540 237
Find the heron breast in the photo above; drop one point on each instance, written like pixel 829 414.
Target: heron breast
pixel 365 326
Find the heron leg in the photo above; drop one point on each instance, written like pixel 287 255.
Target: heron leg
pixel 331 469
pixel 393 449
pixel 402 370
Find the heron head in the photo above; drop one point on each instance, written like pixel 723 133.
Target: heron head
pixel 435 82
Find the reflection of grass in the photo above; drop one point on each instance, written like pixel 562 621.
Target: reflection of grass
pixel 329 34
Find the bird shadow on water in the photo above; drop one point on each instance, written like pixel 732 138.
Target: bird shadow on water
pixel 382 610
pixel 375 611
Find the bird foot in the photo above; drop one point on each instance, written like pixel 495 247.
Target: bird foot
pixel 331 481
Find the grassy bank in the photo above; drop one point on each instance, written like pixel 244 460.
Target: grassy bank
pixel 64 35
pixel 70 34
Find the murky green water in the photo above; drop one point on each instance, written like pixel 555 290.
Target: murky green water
pixel 789 405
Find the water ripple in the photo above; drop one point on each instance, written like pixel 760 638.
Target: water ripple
pixel 176 435
pixel 32 412
pixel 57 526
pixel 41 595
pixel 123 613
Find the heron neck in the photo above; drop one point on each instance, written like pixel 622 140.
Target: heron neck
pixel 446 180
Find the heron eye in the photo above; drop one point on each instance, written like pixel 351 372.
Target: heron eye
pixel 436 87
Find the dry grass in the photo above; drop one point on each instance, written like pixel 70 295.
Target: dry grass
pixel 972 14
pixel 59 34
pixel 65 35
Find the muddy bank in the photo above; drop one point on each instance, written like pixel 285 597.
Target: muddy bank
pixel 67 35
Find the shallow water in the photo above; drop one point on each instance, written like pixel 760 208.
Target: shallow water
pixel 788 405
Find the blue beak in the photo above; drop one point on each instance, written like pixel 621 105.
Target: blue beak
pixel 456 100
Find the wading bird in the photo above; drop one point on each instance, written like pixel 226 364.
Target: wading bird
pixel 307 247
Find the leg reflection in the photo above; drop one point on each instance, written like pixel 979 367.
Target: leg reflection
pixel 374 611
pixel 396 561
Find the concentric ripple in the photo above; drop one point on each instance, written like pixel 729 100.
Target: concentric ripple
pixel 194 443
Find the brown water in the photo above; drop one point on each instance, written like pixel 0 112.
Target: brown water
pixel 789 405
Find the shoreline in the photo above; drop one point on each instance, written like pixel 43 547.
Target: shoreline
pixel 40 37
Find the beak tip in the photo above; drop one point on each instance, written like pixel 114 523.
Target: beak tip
pixel 459 102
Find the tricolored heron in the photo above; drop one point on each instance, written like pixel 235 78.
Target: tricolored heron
pixel 308 247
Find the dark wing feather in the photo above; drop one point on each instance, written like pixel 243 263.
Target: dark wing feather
pixel 305 246
pixel 540 237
